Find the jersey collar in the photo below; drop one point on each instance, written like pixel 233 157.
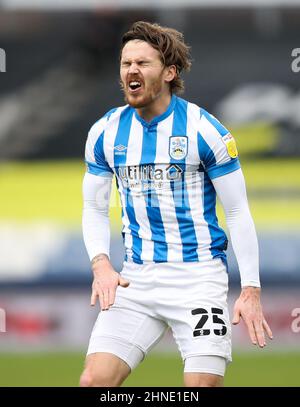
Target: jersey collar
pixel 159 118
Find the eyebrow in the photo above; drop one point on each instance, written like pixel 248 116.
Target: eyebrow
pixel 143 59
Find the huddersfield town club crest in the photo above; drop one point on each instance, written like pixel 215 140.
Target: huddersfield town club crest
pixel 178 146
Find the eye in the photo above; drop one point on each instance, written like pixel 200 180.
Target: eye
pixel 125 63
pixel 143 63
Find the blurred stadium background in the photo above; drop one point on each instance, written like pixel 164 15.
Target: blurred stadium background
pixel 61 75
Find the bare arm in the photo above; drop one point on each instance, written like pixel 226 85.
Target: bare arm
pixel 231 191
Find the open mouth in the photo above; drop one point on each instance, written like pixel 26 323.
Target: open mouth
pixel 134 85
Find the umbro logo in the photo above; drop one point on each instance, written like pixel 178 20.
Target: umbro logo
pixel 120 149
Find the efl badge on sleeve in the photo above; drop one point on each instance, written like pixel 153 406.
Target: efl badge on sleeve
pixel 178 147
pixel 230 145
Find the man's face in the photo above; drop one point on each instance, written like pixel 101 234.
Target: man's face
pixel 142 73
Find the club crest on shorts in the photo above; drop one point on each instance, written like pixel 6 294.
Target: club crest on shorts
pixel 178 147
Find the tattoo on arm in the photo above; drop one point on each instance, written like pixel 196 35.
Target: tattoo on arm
pixel 98 258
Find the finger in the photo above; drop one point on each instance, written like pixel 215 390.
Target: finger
pixel 111 296
pixel 105 300
pixel 259 333
pixel 123 282
pixel 267 329
pixel 100 296
pixel 93 298
pixel 251 331
pixel 236 317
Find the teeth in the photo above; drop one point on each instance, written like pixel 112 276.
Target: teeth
pixel 134 83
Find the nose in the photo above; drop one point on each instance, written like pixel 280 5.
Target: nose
pixel 133 68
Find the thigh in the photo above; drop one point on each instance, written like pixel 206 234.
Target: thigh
pixel 125 333
pixel 199 318
pixel 202 380
pixel 104 369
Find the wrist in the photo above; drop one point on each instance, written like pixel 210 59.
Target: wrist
pixel 250 288
pixel 248 291
pixel 99 259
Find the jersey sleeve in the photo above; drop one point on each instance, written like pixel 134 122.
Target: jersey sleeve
pixel 216 147
pixel 94 152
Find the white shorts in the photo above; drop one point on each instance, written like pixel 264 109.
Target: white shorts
pixel 190 298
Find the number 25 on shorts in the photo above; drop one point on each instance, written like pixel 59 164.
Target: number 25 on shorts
pixel 199 329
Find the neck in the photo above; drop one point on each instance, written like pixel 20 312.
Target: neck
pixel 156 108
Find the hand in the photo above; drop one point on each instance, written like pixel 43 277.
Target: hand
pixel 248 307
pixel 106 281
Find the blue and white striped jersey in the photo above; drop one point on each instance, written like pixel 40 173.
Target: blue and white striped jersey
pixel 164 170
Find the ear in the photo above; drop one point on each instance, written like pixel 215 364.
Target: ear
pixel 170 73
